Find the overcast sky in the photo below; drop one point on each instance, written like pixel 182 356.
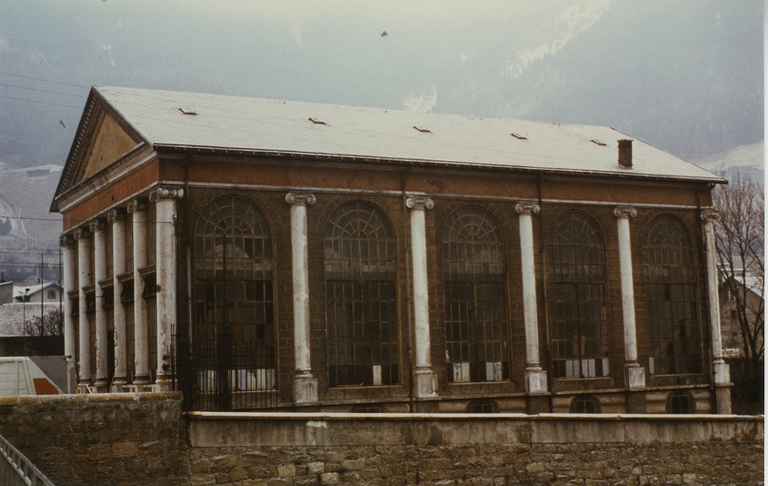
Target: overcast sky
pixel 684 75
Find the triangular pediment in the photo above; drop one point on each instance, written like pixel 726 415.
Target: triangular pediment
pixel 103 139
pixel 109 142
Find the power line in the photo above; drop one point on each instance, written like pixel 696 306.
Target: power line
pixel 41 90
pixel 45 80
pixel 40 102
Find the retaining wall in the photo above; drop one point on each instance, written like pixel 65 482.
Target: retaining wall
pixel 145 439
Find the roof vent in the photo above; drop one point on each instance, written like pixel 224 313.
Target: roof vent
pixel 422 130
pixel 316 121
pixel 625 153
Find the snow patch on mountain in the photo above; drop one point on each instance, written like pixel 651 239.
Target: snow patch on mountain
pixel 569 24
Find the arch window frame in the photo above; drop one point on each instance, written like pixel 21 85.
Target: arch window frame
pixel 362 325
pixel 671 294
pixel 475 297
pixel 577 297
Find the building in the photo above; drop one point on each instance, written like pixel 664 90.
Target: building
pixel 46 292
pixel 274 255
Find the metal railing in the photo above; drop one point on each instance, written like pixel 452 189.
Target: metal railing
pixel 16 470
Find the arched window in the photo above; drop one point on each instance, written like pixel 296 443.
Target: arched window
pixel 361 308
pixel 670 294
pixel 576 297
pixel 233 339
pixel 474 274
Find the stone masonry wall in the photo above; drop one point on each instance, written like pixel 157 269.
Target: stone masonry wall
pixel 101 439
pixel 144 439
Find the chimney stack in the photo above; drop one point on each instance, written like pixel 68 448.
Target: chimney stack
pixel 625 153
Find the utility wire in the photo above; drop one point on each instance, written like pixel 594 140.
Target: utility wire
pixel 41 90
pixel 41 102
pixel 45 80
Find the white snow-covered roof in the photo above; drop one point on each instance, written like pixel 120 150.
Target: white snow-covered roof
pixel 206 121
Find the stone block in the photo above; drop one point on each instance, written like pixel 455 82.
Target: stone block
pixel 124 449
pixel 330 478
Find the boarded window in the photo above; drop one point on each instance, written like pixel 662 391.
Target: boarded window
pixel 576 297
pixel 361 305
pixel 670 293
pixel 474 273
pixel 233 340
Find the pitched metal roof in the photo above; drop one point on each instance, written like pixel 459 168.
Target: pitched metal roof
pixel 206 121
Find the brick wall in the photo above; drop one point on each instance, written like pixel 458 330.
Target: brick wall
pixel 143 439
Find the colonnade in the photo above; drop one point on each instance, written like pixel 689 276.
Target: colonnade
pixel 77 276
pixel 85 271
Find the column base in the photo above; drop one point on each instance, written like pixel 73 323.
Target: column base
pixel 426 383
pixel 101 385
pixel 722 372
pixel 164 383
pixel 117 384
pixel 538 404
pixel 304 388
pixel 536 380
pixel 723 400
pixel 634 376
pixel 636 402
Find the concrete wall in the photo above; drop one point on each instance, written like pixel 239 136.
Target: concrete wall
pixel 144 439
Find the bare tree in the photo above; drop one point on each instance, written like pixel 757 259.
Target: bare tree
pixel 45 334
pixel 740 247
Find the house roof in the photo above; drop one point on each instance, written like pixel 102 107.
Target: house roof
pixel 179 120
pixel 33 289
pixel 12 317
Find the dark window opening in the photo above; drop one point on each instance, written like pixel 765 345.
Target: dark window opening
pixel 482 406
pixel 474 273
pixel 585 404
pixel 233 337
pixel 671 298
pixel 361 305
pixel 577 297
pixel 680 402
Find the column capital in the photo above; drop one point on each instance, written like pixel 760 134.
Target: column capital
pixel 625 212
pixel 115 215
pixel 96 225
pixel 135 206
pixel 528 208
pixel 710 215
pixel 419 202
pixel 166 192
pixel 66 240
pixel 81 233
pixel 301 198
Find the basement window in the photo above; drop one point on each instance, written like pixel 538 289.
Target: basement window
pixel 585 404
pixel 679 402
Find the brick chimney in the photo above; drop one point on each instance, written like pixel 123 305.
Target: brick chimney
pixel 625 153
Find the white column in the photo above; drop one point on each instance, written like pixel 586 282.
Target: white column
pixel 70 284
pixel 100 273
pixel 425 378
pixel 117 220
pixel 141 337
pixel 304 384
pixel 165 268
pixel 721 368
pixel 84 263
pixel 634 373
pixel 535 377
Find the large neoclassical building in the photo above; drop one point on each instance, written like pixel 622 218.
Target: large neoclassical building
pixel 273 255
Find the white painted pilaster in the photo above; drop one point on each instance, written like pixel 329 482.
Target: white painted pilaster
pixel 85 279
pixel 535 377
pixel 634 373
pixel 117 220
pixel 138 211
pixel 426 380
pixel 305 384
pixel 722 370
pixel 100 273
pixel 165 267
pixel 69 281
